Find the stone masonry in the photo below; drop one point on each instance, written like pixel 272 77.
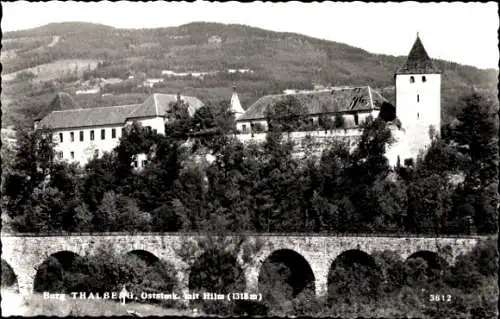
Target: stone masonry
pixel 25 253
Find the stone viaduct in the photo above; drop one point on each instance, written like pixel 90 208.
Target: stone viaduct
pixel 24 253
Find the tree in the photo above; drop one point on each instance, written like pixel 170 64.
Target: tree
pixel 83 218
pixel 217 264
pixel 477 134
pixel 429 203
pixel 286 115
pixel 98 179
pixel 390 207
pixel 179 120
pixel 106 216
pixel 367 165
pixel 30 176
pixel 231 180
pixel 339 121
pixel 326 122
pixel 129 217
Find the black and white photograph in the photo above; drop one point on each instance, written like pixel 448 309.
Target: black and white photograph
pixel 326 159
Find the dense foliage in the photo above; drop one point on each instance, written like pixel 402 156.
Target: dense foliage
pixel 452 189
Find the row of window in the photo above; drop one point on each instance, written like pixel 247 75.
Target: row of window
pixel 412 79
pixel 92 135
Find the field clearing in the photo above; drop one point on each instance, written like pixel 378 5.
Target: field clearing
pixel 14 304
pixel 57 69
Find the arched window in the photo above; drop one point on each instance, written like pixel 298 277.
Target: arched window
pixel 424 78
pixel 412 79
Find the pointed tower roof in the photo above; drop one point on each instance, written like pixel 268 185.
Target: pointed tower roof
pixel 235 106
pixel 418 61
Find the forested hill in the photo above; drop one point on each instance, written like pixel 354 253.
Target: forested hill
pixel 278 60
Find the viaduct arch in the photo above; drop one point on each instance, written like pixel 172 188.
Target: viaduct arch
pixel 24 253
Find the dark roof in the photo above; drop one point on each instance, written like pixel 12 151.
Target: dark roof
pixel 418 61
pixel 63 101
pixel 109 115
pixel 158 104
pixel 155 105
pixel 318 102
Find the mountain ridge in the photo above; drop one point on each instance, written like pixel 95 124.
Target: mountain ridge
pixel 61 28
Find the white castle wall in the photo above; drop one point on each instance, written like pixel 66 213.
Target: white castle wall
pixel 418 107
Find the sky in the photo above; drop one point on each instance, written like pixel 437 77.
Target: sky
pixel 465 33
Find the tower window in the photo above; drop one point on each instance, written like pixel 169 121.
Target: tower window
pixel 412 79
pixel 424 78
pixel 61 137
pixel 418 98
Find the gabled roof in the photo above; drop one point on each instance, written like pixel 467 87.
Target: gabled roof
pixel 319 102
pixel 155 105
pixel 96 116
pixel 158 104
pixel 418 61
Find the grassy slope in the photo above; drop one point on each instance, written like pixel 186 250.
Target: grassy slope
pixel 280 60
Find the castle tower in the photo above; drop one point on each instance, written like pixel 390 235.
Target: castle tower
pixel 418 100
pixel 235 106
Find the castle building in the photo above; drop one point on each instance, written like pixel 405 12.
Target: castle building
pixel 353 104
pixel 418 103
pixel 418 108
pixel 83 133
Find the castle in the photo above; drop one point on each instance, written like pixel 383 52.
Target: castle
pixel 82 134
pixel 418 109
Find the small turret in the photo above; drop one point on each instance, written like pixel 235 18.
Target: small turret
pixel 235 106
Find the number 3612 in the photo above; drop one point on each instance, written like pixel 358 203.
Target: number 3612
pixel 434 298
